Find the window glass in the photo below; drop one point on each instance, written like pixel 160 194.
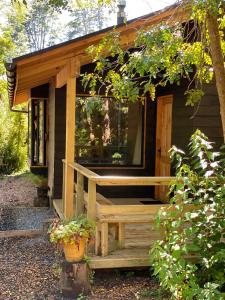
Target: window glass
pixel 108 132
pixel 38 133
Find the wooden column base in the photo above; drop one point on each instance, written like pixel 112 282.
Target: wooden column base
pixel 74 279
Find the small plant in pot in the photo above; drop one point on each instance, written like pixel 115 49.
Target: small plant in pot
pixel 72 235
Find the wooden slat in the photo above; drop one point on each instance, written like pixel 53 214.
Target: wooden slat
pixel 84 171
pixel 20 233
pixel 121 235
pixel 80 195
pixel 131 209
pixel 105 239
pixel 127 181
pixel 91 208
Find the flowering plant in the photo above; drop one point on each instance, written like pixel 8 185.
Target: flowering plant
pixel 71 232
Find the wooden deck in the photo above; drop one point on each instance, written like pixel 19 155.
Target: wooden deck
pixel 137 241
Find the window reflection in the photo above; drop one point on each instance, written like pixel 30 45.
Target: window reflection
pixel 108 132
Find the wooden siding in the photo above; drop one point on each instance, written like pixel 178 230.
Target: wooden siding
pixel 60 134
pixel 51 138
pixel 186 121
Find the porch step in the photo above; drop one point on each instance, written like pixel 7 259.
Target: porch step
pixel 124 258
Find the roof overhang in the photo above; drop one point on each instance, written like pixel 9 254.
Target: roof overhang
pixel 37 68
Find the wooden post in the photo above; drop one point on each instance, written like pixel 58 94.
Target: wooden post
pixel 63 187
pixel 121 235
pixel 105 238
pixel 72 72
pixel 91 209
pixel 80 195
pixel 74 279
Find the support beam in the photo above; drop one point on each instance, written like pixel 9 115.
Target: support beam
pixel 72 69
pixel 61 77
pixel 70 139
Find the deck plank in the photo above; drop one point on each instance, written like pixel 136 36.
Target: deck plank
pixel 123 258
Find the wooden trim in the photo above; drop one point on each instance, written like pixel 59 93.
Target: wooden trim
pixel 177 12
pixel 70 144
pixel 22 96
pixel 127 181
pixel 163 142
pixel 84 171
pixel 54 58
pixel 124 167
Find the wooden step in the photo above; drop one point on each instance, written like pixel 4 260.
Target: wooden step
pixel 124 258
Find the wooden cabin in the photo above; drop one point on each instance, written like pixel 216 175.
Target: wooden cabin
pixel 114 165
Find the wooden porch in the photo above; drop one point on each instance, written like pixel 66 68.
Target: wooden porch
pixel 125 228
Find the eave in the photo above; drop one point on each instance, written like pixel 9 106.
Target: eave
pixel 34 69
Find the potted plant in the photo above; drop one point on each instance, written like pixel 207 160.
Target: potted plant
pixel 72 235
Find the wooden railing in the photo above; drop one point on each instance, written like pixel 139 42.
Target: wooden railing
pixel 95 179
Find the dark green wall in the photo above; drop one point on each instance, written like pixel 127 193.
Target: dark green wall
pixel 204 116
pixel 60 136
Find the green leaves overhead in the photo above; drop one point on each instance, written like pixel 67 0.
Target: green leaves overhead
pixel 160 56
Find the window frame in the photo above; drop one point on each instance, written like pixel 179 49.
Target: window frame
pixel 141 166
pixel 32 132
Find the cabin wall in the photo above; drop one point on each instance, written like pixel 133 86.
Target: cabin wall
pixel 186 119
pixel 51 138
pixel 60 137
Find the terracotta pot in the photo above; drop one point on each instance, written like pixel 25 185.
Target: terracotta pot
pixel 74 252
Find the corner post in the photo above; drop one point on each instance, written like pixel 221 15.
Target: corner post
pixel 73 69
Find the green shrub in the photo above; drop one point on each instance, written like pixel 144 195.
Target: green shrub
pixel 13 139
pixel 190 260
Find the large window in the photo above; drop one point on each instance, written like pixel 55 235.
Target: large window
pixel 37 132
pixel 109 132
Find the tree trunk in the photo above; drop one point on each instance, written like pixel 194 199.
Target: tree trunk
pixel 218 62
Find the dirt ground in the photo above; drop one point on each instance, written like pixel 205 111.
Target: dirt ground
pixel 30 267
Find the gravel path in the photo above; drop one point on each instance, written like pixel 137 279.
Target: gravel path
pixel 29 267
pixel 24 218
pixel 29 270
pixel 17 191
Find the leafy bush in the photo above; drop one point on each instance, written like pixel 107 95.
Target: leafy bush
pixel 190 259
pixel 13 139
